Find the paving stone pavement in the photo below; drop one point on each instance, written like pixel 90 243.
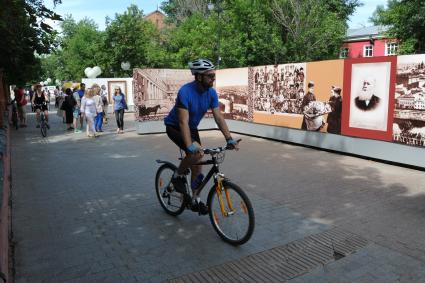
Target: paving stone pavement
pixel 84 210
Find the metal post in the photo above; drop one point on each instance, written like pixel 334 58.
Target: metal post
pixel 218 36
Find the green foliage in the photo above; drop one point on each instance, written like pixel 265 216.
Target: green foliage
pixel 406 20
pixel 130 38
pixel 24 33
pixel 250 32
pixel 240 32
pixel 80 47
pixel 314 31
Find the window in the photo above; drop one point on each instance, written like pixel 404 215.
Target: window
pixel 368 51
pixel 391 48
pixel 344 53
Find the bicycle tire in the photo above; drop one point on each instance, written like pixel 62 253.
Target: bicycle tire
pixel 43 129
pixel 246 208
pixel 164 197
pixel 15 120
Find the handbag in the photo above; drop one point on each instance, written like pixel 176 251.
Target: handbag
pixel 124 103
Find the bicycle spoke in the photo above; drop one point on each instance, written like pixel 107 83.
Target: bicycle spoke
pixel 234 224
pixel 170 200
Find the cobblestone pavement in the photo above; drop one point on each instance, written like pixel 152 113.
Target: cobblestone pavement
pixel 84 210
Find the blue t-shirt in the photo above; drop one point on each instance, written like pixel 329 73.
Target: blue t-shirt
pixel 119 103
pixel 197 103
pixel 81 93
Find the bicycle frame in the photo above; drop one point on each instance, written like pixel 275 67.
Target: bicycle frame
pixel 218 184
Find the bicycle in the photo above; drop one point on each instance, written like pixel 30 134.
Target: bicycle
pixel 15 114
pixel 226 201
pixel 43 124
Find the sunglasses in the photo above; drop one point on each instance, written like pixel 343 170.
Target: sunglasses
pixel 210 76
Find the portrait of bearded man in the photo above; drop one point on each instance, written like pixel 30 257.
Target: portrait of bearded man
pixel 366 99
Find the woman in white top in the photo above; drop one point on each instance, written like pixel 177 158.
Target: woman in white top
pixel 88 110
pixel 99 108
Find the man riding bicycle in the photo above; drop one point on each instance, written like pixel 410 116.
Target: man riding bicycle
pixel 192 102
pixel 39 101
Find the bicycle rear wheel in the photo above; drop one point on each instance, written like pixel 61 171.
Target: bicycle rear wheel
pixel 43 129
pixel 235 224
pixel 171 201
pixel 15 120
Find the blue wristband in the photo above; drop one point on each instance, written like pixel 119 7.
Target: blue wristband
pixel 232 142
pixel 192 148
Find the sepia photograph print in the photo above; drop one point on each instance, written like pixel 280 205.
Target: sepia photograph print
pixel 277 93
pixel 155 91
pixel 409 112
pixel 232 89
pixel 322 104
pixel 369 104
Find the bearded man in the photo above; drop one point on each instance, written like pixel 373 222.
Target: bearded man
pixel 366 99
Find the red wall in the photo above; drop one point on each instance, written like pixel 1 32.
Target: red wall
pixel 356 48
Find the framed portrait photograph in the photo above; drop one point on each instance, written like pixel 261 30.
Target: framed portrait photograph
pixel 368 107
pixel 113 84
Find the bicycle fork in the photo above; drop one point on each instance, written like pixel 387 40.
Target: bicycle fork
pixel 219 190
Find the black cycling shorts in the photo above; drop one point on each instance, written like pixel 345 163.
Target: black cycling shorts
pixel 176 136
pixel 41 107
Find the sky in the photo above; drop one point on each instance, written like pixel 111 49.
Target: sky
pixel 99 9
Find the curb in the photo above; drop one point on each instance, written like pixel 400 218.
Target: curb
pixel 5 212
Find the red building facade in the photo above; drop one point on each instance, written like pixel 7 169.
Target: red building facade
pixel 368 42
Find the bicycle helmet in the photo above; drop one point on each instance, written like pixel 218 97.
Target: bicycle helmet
pixel 201 66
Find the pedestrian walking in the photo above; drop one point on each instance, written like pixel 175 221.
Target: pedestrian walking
pixel 21 102
pixel 77 112
pixel 81 93
pixel 120 105
pixel 99 108
pixel 105 102
pixel 68 105
pixel 59 99
pixel 88 111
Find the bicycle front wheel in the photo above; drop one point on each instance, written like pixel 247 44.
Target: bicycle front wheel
pixel 231 213
pixel 43 129
pixel 171 201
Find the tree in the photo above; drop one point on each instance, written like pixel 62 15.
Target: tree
pixel 314 30
pixel 79 48
pixel 406 22
pixel 129 37
pixel 179 10
pixel 251 32
pixel 24 34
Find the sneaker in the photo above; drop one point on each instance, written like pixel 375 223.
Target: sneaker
pixel 77 131
pixel 179 184
pixel 70 129
pixel 199 207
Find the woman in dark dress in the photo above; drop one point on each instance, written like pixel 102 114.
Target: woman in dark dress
pixel 68 106
pixel 334 117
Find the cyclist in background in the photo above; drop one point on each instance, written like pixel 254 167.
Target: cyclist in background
pixel 39 101
pixel 192 102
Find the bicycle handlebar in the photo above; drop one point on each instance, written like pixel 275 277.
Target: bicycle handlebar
pixel 218 149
